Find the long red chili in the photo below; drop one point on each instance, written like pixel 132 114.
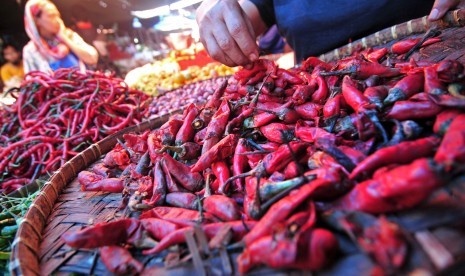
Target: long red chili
pixel 354 97
pixel 118 260
pixel 101 234
pixel 405 88
pixel 408 110
pixel 394 190
pixel 451 150
pixel 220 151
pixel 216 127
pixel 176 237
pixel 402 153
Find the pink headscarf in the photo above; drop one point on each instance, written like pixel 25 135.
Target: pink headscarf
pixel 34 8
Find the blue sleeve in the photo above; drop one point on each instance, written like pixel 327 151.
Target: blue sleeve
pixel 266 9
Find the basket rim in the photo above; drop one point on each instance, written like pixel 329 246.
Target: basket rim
pixel 455 18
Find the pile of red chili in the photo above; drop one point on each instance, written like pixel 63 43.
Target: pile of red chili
pixel 56 116
pixel 273 149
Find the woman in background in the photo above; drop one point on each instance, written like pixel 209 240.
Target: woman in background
pixel 52 45
pixel 12 72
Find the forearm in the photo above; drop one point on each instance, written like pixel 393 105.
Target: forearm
pixel 83 51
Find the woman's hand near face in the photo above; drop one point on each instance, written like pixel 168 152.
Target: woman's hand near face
pixel 227 32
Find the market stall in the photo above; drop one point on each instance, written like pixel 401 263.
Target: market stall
pixel 349 165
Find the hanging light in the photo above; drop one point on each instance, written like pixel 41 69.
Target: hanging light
pixel 163 10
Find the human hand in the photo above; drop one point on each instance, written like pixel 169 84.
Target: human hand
pixel 440 8
pixel 61 29
pixel 226 32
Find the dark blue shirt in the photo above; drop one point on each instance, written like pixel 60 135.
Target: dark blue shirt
pixel 313 27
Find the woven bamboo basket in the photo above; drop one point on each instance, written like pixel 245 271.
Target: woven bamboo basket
pixel 435 230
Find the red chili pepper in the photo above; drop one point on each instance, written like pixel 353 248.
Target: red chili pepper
pixel 447 100
pixel 237 121
pixel 118 156
pixel 354 97
pixel 192 181
pixel 159 186
pixel 311 134
pixel 291 170
pixel 283 253
pixel 239 165
pixel 449 71
pixel 444 119
pixel 245 90
pixel 398 189
pixel 259 65
pixel 118 260
pixel 308 111
pixel 186 151
pixel 199 137
pixel 289 77
pixel 377 54
pixel 182 200
pixel 320 159
pixel 362 69
pixel 376 95
pixel 221 172
pixel 169 130
pixel 178 216
pixel 158 228
pixel 186 132
pixel 402 153
pixel 265 98
pixel 302 93
pixel 355 155
pixel 256 78
pixel 260 119
pixel 451 150
pixel 171 185
pixel 277 132
pixel 223 149
pixel 432 83
pixel 284 113
pixel 112 185
pixel 137 143
pixel 320 94
pixel 279 159
pixel 306 248
pixel 332 107
pixel 102 234
pixel 408 110
pixel 178 236
pixel 405 88
pixel 216 127
pixel 215 99
pixel 281 210
pixel 404 46
pixel 93 182
pixel 385 242
pixel 222 207
pixel 251 198
pixel 310 63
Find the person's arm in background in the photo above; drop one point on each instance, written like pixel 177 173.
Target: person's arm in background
pixel 440 7
pixel 78 46
pixel 228 30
